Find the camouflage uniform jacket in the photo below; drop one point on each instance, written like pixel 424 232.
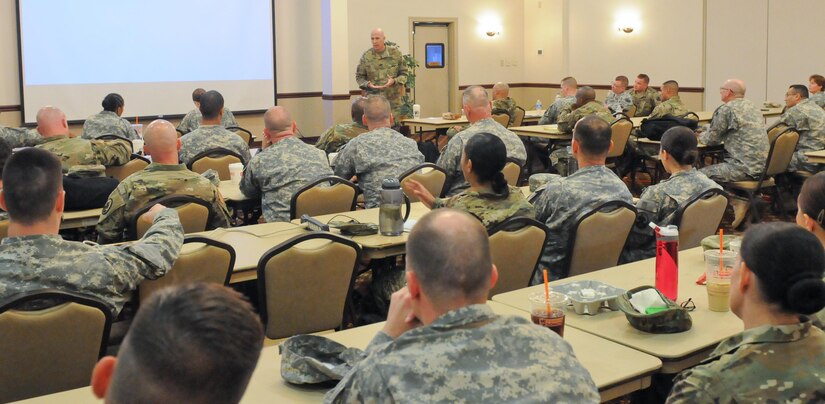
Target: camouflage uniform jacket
pixel 818 98
pixel 109 273
pixel 211 137
pixel 76 151
pixel 153 182
pixel 107 123
pixel 193 118
pixel 338 135
pixel 563 200
pixel 450 158
pixel 278 171
pixel 658 203
pixel 20 137
pixel 490 208
pixel 505 106
pixel 644 101
pixel 672 107
pixel 618 102
pixel 551 115
pixel 772 364
pixel 468 355
pixel 569 116
pixel 740 125
pixel 374 156
pixel 378 68
pixel 809 120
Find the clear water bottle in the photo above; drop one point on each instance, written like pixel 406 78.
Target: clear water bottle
pixel 538 105
pixel 390 222
pixel 667 260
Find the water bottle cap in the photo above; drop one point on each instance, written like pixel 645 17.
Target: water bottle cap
pixel 390 183
pixel 669 231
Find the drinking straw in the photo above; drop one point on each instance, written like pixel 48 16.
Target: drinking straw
pixel 546 292
pixel 721 251
pixel 136 120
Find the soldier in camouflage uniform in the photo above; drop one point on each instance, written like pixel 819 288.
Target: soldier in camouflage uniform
pixel 565 198
pixel 282 168
pixel 382 71
pixel 618 100
pixel 815 87
pixel 671 104
pixel 378 154
pixel 108 121
pixel 780 356
pixel 211 135
pixel 458 349
pixel 35 257
pixel 20 137
pixel 502 103
pixel 192 119
pixel 338 135
pixel 52 125
pixel 585 105
pixel 163 177
pixel 644 97
pixel 809 121
pixel 478 110
pixel 567 97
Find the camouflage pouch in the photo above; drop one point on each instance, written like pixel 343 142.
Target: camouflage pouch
pixel 311 359
pixel 673 320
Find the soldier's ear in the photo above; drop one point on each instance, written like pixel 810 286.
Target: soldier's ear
pixel 59 204
pixel 102 375
pixel 493 276
pixel 177 144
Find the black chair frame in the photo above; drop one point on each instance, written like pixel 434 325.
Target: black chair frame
pixel 517 223
pixel 571 242
pixel 412 170
pixel 170 201
pixel 332 180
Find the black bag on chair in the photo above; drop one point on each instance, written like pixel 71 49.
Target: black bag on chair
pixel 653 129
pixel 429 150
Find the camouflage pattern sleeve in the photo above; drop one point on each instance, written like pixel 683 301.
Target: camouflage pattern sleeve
pixel 401 75
pixel 326 139
pixel 361 72
pixel 20 137
pixel 688 391
pixel 567 119
pixel 719 126
pixel 189 122
pixel 345 162
pixel 228 118
pixel 112 220
pixel 112 152
pixel 449 160
pixel 221 216
pixel 250 186
pixel 156 252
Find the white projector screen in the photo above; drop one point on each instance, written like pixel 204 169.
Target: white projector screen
pixel 152 52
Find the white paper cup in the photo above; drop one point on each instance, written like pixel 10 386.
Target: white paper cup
pixel 416 111
pixel 137 146
pixel 236 172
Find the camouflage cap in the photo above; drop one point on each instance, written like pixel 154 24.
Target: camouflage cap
pixel 673 320
pixel 309 359
pixel 87 170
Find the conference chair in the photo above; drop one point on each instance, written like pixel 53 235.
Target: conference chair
pixel 776 131
pixel 429 175
pixel 137 163
pixel 503 119
pixel 217 159
pixel 516 245
pixel 598 238
pixel 323 196
pixel 631 111
pixel 779 157
pixel 243 133
pixel 699 217
pixel 518 119
pixel 620 133
pixel 304 284
pixel 512 171
pixel 195 215
pixel 4 228
pixel 201 259
pixel 50 342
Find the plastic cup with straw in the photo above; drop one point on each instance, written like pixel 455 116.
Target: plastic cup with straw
pixel 547 292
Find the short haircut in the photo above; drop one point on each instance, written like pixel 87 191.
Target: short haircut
pixel 818 79
pixel 192 343
pixel 569 82
pixel 196 95
pixel 671 85
pixel 489 155
pixel 644 78
pixel 799 90
pixel 585 94
pixel 680 142
pixel 211 104
pixel 593 135
pixel 450 261
pixel 377 108
pixel 475 96
pixel 5 153
pixel 112 102
pixel 277 119
pixel 622 79
pixel 32 179
pixel 789 262
pixel 357 110
pixel 811 198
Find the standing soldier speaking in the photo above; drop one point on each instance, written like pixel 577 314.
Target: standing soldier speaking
pixel 382 71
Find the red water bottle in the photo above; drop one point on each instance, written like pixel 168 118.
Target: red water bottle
pixel 667 260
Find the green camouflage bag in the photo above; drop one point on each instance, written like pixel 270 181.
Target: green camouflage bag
pixel 673 320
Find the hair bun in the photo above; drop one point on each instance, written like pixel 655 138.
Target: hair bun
pixel 806 296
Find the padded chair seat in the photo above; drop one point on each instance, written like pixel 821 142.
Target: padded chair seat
pixel 752 185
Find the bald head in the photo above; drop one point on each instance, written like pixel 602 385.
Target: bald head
pixel 449 253
pixel 475 97
pixel 277 119
pixel 501 90
pixel 161 142
pixel 585 94
pixel 736 86
pixel 377 38
pixel 51 121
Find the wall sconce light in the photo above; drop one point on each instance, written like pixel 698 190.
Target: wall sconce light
pixel 626 30
pixel 492 33
pixel 627 21
pixel 489 25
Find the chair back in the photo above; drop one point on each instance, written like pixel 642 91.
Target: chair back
pixel 315 200
pixel 518 119
pixel 781 152
pixel 620 129
pixel 217 159
pixel 243 133
pixel 776 131
pixel 195 215
pixel 318 267
pixel 700 216
pixel 4 228
pixel 201 259
pixel 512 171
pixel 516 245
pixel 503 119
pixel 631 111
pixel 50 349
pixel 134 165
pixel 429 175
pixel 599 237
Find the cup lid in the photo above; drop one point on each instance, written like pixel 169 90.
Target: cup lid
pixel 390 183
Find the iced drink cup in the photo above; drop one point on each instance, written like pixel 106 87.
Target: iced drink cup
pixel 554 319
pixel 719 266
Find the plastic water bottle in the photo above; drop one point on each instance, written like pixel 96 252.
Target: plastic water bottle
pixel 667 260
pixel 538 105
pixel 390 222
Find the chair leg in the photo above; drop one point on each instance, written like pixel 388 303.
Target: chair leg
pixel 780 202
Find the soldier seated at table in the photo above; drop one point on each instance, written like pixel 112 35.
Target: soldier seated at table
pixel 645 98
pixel 502 103
pixel 109 121
pixel 192 119
pixel 211 134
pixel 338 135
pixel 34 256
pixel 809 120
pixel 585 105
pixel 441 342
pixel 161 178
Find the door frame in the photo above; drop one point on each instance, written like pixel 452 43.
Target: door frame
pixel 452 54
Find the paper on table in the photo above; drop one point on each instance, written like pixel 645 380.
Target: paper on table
pixel 408 225
pixel 646 299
